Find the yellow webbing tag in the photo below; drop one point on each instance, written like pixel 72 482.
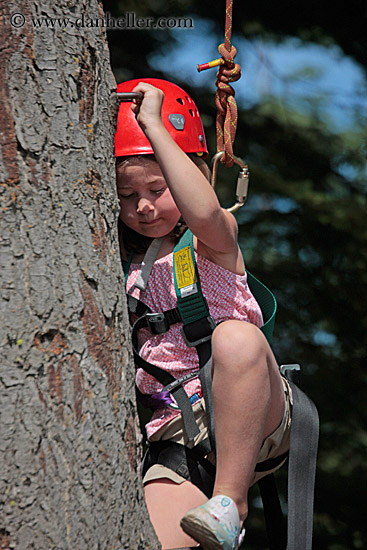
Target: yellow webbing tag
pixel 184 266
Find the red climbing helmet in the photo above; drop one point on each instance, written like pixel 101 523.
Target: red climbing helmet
pixel 180 117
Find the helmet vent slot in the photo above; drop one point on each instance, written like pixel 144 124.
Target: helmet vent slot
pixel 180 100
pixel 191 112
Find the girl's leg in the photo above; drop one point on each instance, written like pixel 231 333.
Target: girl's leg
pixel 167 502
pixel 248 399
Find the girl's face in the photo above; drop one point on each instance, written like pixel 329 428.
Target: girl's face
pixel 146 203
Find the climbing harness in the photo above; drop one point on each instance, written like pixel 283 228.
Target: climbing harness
pixel 191 463
pixel 192 311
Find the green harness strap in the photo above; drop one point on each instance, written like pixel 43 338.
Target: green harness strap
pixel 267 302
pixel 190 300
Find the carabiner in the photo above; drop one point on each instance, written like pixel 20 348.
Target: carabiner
pixel 242 180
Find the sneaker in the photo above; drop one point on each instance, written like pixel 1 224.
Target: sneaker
pixel 215 524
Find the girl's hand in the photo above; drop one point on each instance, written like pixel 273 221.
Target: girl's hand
pixel 148 109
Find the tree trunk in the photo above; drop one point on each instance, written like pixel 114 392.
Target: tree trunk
pixel 70 444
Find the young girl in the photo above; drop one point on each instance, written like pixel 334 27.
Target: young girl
pixel 162 188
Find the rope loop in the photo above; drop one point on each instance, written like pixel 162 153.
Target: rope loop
pixel 227 114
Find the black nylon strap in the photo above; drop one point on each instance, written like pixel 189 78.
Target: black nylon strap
pixel 204 352
pixel 203 448
pixel 198 332
pixel 274 518
pixel 139 308
pixel 271 463
pixel 136 306
pixel 162 376
pixel 173 316
pixel 190 464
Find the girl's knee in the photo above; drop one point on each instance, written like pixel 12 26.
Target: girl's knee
pixel 239 339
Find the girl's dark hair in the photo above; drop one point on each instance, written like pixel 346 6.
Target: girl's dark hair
pixel 133 242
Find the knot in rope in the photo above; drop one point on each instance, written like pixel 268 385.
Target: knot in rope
pixel 229 71
pixel 227 113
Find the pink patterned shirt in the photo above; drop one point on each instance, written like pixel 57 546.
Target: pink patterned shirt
pixel 228 297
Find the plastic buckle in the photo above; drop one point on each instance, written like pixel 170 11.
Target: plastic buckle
pixel 157 323
pixel 173 406
pixel 195 343
pixel 173 385
pixel 291 372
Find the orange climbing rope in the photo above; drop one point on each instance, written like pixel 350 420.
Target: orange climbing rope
pixel 229 71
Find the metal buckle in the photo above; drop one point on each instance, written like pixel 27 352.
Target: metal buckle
pixel 200 340
pixel 291 372
pixel 157 323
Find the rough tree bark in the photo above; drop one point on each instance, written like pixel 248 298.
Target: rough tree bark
pixel 69 445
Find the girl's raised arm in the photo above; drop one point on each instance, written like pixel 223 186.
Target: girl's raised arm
pixel 213 226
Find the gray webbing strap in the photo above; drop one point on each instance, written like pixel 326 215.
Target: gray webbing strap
pixel 206 386
pixel 147 264
pixel 301 470
pixel 191 427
